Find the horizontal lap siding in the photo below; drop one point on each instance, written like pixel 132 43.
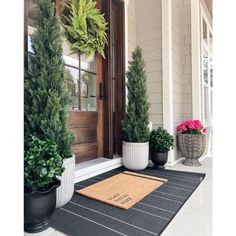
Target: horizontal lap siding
pixel 149 38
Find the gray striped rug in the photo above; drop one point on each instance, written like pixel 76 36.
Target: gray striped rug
pixel 86 217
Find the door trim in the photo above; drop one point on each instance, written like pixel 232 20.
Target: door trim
pixel 107 80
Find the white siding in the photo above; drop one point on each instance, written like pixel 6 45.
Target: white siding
pixel 187 61
pixel 131 27
pixel 149 38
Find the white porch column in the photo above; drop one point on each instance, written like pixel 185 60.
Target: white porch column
pixel 167 69
pixel 196 78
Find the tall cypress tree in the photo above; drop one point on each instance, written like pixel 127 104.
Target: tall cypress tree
pixel 135 122
pixel 46 97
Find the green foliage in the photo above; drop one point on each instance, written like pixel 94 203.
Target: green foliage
pixel 161 140
pixel 85 26
pixel 135 122
pixel 42 163
pixel 46 97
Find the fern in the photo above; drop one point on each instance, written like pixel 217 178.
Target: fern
pixel 85 26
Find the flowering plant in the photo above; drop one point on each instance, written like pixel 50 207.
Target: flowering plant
pixel 191 127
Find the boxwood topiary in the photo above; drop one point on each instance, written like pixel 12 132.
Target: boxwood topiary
pixel 161 140
pixel 42 164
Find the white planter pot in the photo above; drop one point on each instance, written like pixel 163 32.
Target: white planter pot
pixel 66 190
pixel 135 155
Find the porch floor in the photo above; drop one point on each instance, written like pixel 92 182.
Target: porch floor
pixel 194 218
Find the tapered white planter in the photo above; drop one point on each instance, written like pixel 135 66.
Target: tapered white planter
pixel 135 155
pixel 66 190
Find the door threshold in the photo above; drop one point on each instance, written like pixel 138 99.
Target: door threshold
pixel 88 169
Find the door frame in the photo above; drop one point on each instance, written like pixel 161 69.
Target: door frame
pixel 107 80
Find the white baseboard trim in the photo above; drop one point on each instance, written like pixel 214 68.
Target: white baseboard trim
pixel 95 167
pixel 174 162
pixel 203 158
pixel 182 158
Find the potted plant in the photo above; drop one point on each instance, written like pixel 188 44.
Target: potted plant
pixel 46 97
pixel 160 143
pixel 191 141
pixel 135 123
pixel 42 166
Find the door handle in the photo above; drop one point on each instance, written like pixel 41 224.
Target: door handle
pixel 100 91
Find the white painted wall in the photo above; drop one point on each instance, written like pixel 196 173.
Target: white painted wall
pixel 149 38
pixel 177 68
pixel 187 60
pixel 131 5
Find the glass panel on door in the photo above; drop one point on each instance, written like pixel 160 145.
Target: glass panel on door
pixel 88 63
pixel 71 79
pixel 88 91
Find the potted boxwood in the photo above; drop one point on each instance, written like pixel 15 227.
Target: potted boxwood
pixel 46 96
pixel 42 166
pixel 160 144
pixel 135 123
pixel 191 141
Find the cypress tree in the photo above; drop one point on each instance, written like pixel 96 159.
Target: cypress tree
pixel 135 122
pixel 46 97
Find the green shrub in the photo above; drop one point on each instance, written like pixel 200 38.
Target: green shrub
pixel 42 163
pixel 135 122
pixel 161 140
pixel 46 98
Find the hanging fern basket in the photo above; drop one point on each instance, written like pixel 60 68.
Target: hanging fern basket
pixel 85 26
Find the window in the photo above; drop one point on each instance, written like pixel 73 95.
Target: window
pixel 80 79
pixel 207 69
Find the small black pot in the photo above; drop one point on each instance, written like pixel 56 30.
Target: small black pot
pixel 159 158
pixel 39 207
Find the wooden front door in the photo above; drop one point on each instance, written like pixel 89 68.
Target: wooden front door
pixel 114 74
pixel 85 118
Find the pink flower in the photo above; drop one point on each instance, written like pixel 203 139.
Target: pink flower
pixel 190 126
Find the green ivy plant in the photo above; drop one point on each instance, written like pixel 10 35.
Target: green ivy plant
pixel 85 26
pixel 42 164
pixel 161 140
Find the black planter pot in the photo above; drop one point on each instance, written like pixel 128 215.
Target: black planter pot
pixel 159 158
pixel 38 208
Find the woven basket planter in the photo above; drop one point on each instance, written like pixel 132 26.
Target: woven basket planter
pixel 192 147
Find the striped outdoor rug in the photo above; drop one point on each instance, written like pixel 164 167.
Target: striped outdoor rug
pixel 83 216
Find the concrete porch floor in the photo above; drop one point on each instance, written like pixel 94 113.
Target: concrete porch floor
pixel 194 218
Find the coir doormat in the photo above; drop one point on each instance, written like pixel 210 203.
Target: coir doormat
pixel 123 190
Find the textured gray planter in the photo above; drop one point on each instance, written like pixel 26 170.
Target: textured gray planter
pixel 192 147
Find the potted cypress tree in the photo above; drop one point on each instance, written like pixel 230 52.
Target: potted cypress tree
pixel 46 97
pixel 42 166
pixel 160 143
pixel 135 123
